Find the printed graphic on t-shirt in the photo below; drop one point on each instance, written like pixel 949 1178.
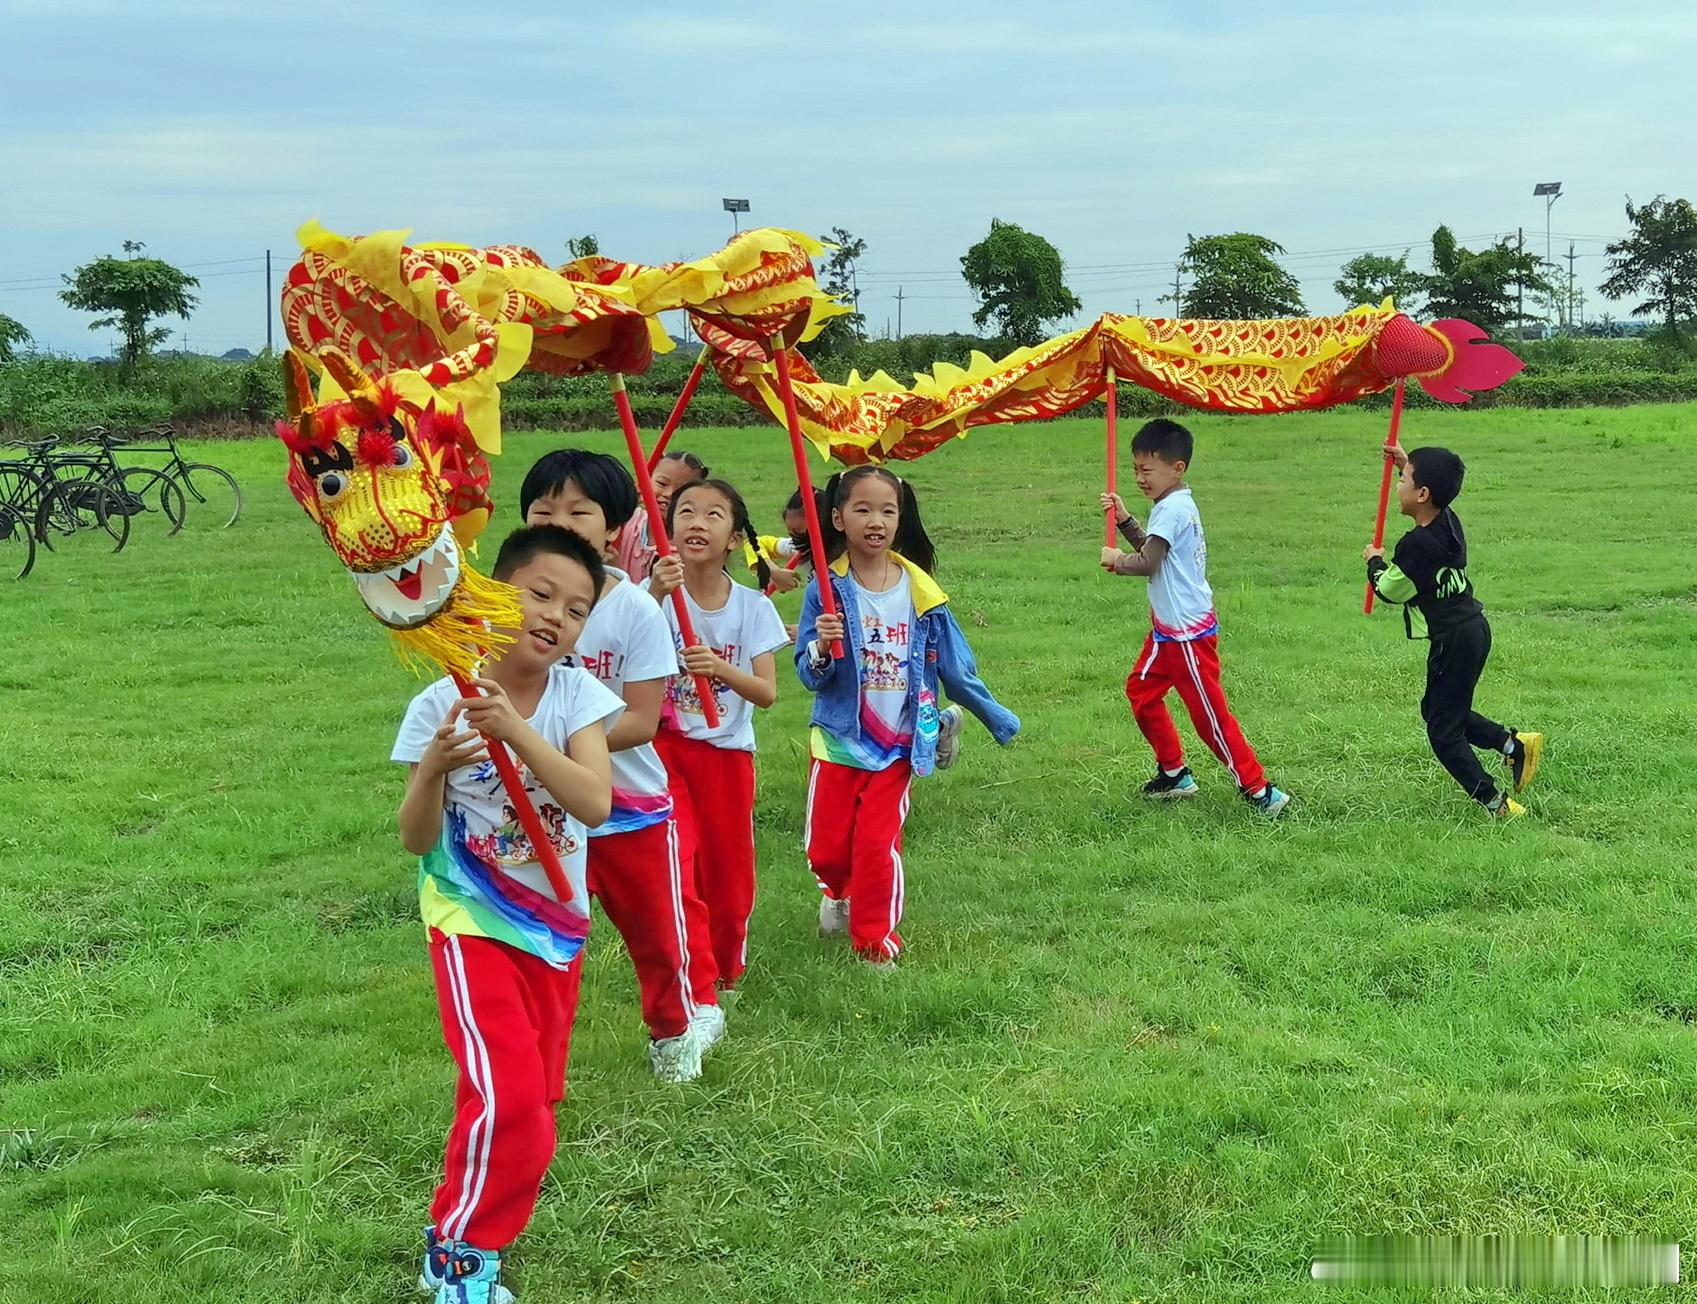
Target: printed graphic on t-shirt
pixel 886 704
pixel 508 845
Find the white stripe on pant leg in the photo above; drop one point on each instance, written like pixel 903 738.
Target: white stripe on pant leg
pixel 1225 752
pixel 742 957
pixel 679 921
pixel 807 819
pixel 1147 666
pixel 480 1136
pixel 898 882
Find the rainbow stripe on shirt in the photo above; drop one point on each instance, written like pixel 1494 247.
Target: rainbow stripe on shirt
pixel 460 893
pixel 878 747
pixel 634 810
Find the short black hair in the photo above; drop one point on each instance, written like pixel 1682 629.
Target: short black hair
pixel 525 544
pixel 602 479
pixel 1438 471
pixel 1166 440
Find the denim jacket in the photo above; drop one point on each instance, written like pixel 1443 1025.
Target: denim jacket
pixel 937 652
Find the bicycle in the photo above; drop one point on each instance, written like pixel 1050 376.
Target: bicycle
pixel 136 486
pixel 68 506
pixel 17 543
pixel 205 486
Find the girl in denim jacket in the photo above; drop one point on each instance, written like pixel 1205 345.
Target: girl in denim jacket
pixel 876 720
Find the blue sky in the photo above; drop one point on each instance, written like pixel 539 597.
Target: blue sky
pixel 212 131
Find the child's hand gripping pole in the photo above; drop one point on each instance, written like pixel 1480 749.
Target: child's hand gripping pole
pixel 1112 529
pixel 662 544
pixel 804 482
pixel 1385 488
pixel 789 565
pixel 678 409
pixel 529 820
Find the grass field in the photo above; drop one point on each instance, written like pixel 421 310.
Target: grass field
pixel 1133 1054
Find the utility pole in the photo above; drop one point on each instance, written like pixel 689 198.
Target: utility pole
pixel 270 310
pixel 1177 268
pixel 1570 257
pixel 1520 289
pixel 1140 307
pixel 899 295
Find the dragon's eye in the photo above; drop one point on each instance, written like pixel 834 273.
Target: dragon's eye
pixel 403 457
pixel 331 485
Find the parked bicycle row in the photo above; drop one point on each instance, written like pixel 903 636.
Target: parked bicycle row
pixel 90 492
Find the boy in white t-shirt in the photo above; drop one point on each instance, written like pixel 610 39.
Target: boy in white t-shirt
pixel 637 857
pixel 503 947
pixel 737 629
pixel 1182 650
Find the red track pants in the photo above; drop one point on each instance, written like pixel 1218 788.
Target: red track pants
pixel 639 879
pixel 713 802
pixel 507 1018
pixel 1193 669
pixel 854 848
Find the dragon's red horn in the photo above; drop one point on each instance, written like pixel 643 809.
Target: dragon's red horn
pixel 1475 363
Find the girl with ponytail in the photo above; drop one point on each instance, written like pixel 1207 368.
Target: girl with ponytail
pixel 711 771
pixel 877 722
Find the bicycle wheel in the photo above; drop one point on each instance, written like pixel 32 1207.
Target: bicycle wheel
pixel 212 496
pixel 151 496
pixel 21 488
pixel 82 516
pixel 17 543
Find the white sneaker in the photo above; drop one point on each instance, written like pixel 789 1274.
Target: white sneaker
pixel 707 1027
pixel 676 1059
pixel 833 916
pixel 948 735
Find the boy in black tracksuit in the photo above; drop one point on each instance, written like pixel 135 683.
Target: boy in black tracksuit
pixel 1428 575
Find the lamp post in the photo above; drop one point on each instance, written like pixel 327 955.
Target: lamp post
pixel 733 207
pixel 1549 192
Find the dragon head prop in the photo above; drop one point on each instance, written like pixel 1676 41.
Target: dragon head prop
pixel 399 494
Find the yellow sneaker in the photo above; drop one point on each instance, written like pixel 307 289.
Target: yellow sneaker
pixel 1506 809
pixel 1523 763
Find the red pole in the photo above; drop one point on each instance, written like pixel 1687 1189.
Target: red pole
pixel 662 544
pixel 1113 456
pixel 540 842
pixel 678 409
pixel 804 482
pixel 1385 488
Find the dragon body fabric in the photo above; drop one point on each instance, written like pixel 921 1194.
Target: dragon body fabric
pixel 462 320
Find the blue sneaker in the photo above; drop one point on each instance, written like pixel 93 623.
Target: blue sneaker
pixel 1171 787
pixel 1269 801
pixel 471 1276
pixel 436 1252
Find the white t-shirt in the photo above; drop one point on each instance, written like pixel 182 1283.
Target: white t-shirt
pixel 626 640
pixel 747 626
pixel 481 831
pixel 1180 602
pixel 886 630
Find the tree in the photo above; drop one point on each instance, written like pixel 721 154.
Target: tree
pixel 1016 276
pixel 1484 286
pixel 1235 276
pixel 1657 260
pixel 13 337
pixel 842 333
pixel 132 291
pixel 1369 278
pixel 583 246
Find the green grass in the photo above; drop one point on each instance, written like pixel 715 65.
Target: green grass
pixel 1134 1053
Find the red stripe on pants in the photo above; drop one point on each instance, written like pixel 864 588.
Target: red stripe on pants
pixel 507 1018
pixel 639 879
pixel 713 802
pixel 854 847
pixel 1193 669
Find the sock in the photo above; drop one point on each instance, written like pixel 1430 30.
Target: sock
pixel 1173 774
pixel 1512 745
pixel 1259 792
